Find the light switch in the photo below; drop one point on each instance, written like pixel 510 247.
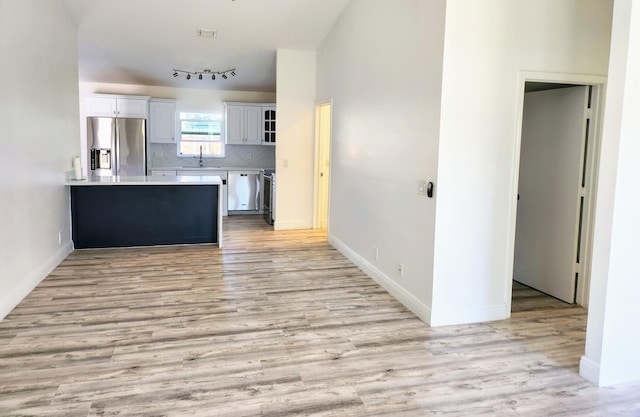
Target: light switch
pixel 422 188
pixel 285 163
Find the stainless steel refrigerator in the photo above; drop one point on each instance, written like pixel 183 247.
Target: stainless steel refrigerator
pixel 116 146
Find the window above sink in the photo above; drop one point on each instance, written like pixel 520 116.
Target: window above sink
pixel 201 132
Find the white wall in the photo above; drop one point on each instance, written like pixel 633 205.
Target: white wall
pixel 613 336
pixel 382 66
pixel 295 96
pixel 39 119
pixel 486 45
pixel 190 100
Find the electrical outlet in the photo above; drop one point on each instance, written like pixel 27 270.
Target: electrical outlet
pixel 248 156
pixel 400 270
pixel 158 154
pixel 59 237
pixel 375 254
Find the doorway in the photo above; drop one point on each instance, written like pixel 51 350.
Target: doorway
pixel 555 189
pixel 322 165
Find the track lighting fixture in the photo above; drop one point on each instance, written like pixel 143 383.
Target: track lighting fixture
pixel 205 72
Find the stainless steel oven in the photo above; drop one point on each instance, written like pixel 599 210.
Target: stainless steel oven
pixel 268 181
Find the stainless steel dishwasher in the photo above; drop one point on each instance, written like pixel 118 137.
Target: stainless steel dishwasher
pixel 243 192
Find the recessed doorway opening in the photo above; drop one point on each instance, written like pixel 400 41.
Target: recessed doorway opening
pixel 559 146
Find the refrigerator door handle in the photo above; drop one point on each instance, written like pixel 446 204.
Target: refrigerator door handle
pixel 116 145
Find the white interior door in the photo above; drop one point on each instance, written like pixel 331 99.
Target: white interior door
pixel 549 189
pixel 325 138
pixel 323 164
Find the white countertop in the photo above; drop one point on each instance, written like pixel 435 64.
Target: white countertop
pixel 206 169
pixel 141 180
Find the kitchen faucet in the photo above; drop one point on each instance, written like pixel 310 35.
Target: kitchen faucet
pixel 201 162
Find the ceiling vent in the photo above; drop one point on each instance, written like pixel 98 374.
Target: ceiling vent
pixel 207 33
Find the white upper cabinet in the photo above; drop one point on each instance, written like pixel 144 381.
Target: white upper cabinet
pixel 243 123
pixel 100 107
pixel 269 124
pixel 253 121
pixel 103 105
pixel 234 121
pixel 134 108
pixel 162 121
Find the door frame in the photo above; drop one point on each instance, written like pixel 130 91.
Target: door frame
pixel 317 201
pixel 598 93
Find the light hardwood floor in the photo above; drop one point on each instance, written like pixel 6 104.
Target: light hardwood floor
pixel 277 324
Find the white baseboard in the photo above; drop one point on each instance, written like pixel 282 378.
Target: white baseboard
pixel 590 370
pixel 603 376
pixel 465 315
pixel 399 293
pixel 441 317
pixel 294 225
pixel 27 284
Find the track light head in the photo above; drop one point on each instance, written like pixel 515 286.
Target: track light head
pixel 204 73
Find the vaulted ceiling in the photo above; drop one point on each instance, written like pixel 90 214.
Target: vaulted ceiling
pixel 143 41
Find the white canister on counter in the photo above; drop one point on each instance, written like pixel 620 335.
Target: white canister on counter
pixel 77 168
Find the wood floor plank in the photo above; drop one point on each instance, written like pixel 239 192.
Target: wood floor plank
pixel 278 324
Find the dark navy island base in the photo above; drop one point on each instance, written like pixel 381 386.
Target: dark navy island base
pixel 143 215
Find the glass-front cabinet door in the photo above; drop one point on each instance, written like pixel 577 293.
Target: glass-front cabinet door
pixel 269 123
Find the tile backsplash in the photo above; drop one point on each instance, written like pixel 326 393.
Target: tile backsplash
pixel 162 155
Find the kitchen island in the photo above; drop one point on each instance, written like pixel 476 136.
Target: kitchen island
pixel 144 211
